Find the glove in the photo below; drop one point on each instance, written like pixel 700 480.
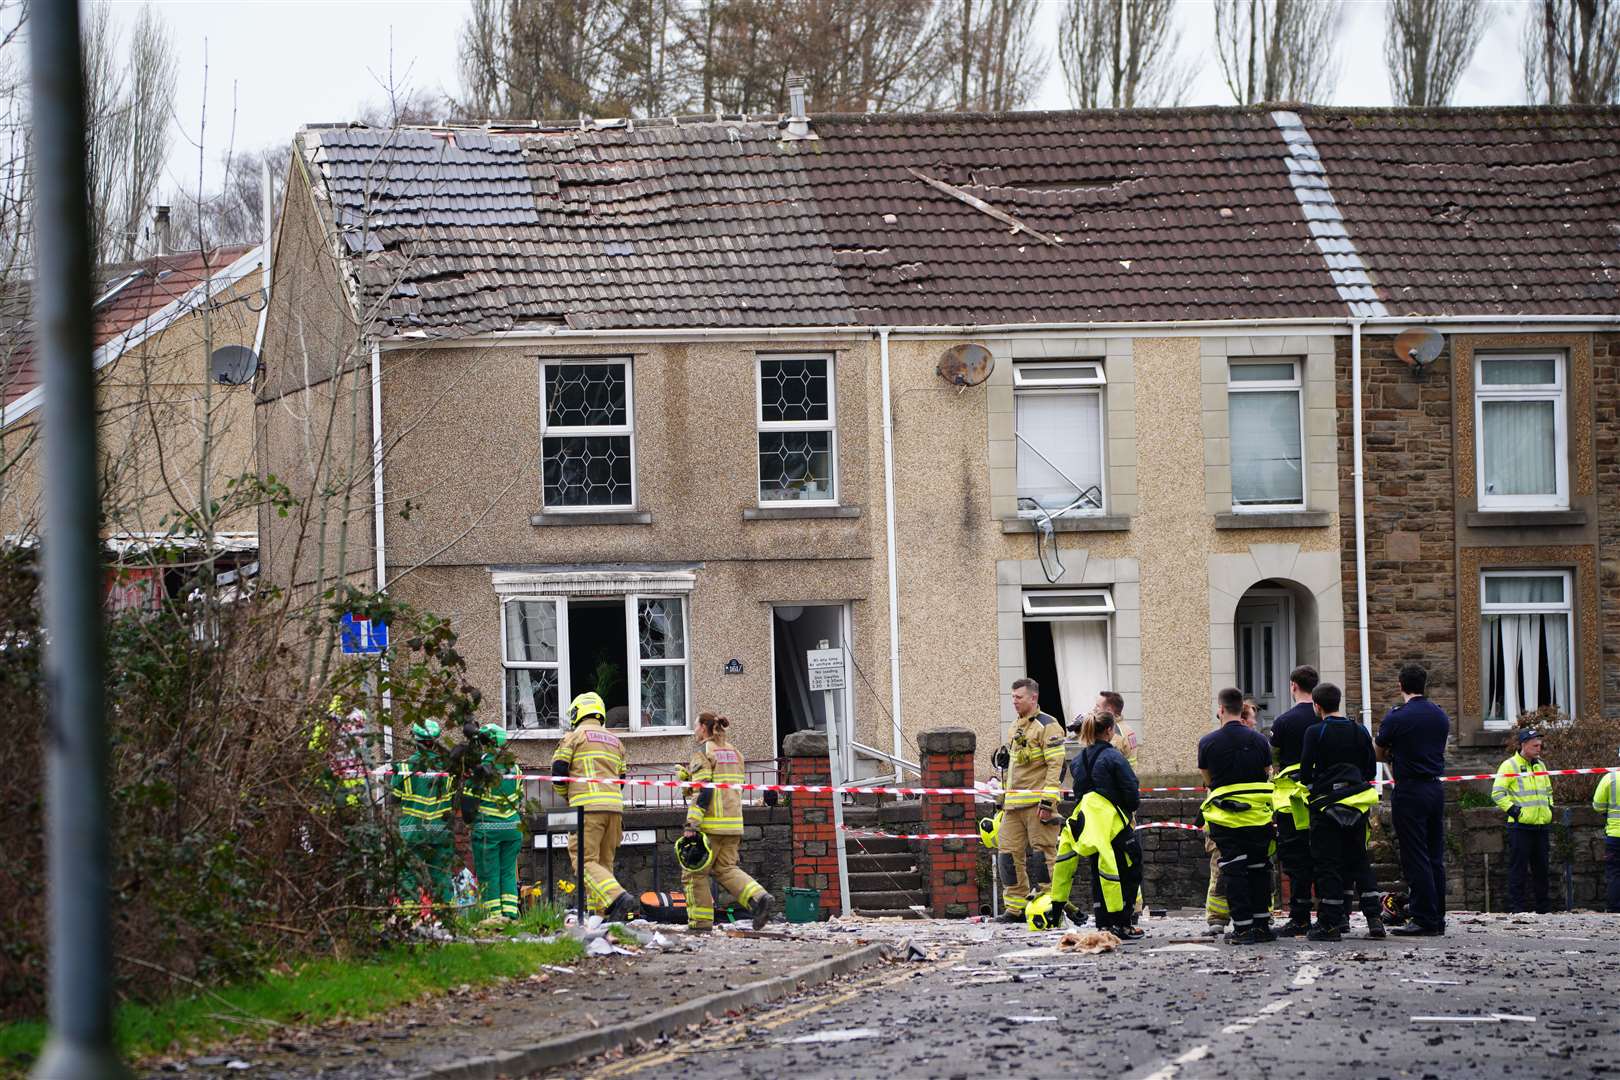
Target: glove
pixel 1001 758
pixel 1513 813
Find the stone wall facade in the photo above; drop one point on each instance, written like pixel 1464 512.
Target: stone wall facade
pixel 1606 444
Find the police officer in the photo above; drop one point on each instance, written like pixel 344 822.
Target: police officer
pixel 1412 738
pixel 1337 767
pixel 422 790
pixel 590 752
pixel 1033 758
pixel 1606 801
pixel 1289 801
pixel 1527 800
pixel 717 814
pixel 1235 761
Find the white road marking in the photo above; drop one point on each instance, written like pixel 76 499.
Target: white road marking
pixel 1307 974
pixel 1197 1053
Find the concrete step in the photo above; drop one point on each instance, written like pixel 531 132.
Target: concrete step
pixel 910 881
pixel 876 845
pixel 872 864
pixel 887 900
pixel 884 913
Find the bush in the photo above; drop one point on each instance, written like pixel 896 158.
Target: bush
pixel 1570 744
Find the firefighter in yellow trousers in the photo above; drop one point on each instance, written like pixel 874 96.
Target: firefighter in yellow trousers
pixel 589 753
pixel 713 835
pixel 1033 758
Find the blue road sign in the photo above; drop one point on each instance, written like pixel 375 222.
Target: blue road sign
pixel 360 636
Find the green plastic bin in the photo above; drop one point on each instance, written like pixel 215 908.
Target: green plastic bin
pixel 803 905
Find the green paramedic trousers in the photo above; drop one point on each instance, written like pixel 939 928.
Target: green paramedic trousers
pixel 495 855
pixel 427 859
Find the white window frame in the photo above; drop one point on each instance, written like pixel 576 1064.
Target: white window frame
pixel 1566 609
pixel 633 661
pixel 1557 393
pixel 1103 613
pixel 830 425
pixel 1297 385
pixel 1075 376
pixel 576 430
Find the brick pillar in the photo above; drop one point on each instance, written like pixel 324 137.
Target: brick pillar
pixel 947 761
pixel 815 860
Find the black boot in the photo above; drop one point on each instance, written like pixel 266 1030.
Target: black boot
pixel 760 909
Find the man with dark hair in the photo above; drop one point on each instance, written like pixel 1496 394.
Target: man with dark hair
pixel 1236 764
pixel 1337 766
pixel 1289 799
pixel 1412 738
pixel 1033 761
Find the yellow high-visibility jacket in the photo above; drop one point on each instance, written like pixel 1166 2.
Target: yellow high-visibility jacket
pixel 591 751
pixel 1035 747
pixel 1606 801
pixel 720 814
pixel 1531 794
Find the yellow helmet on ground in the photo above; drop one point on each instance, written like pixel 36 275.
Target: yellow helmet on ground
pixel 694 853
pixel 584 707
pixel 1043 914
pixel 989 829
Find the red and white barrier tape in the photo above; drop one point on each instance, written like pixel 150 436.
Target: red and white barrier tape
pixel 873 833
pixel 982 793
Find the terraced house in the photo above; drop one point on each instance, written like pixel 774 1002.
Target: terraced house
pixel 1109 398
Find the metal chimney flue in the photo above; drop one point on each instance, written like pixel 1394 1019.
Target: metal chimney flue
pixel 160 230
pixel 797 124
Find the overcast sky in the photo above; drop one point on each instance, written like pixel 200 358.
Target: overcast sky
pixel 273 65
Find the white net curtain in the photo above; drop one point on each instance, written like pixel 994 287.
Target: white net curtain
pixel 1525 665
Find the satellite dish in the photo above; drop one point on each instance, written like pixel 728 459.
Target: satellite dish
pixel 966 365
pixel 1419 346
pixel 233 365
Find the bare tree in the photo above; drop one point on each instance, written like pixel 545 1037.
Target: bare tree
pixel 234 214
pixel 151 71
pixel 1121 54
pixel 649 64
pixel 1277 50
pixel 536 59
pixel 1572 52
pixel 992 59
pixel 1428 44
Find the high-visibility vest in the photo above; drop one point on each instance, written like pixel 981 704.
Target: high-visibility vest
pixel 717 762
pixel 1091 829
pixel 1288 796
pixel 1035 753
pixel 500 801
pixel 1240 806
pixel 590 750
pixel 424 801
pixel 1606 801
pixel 1531 794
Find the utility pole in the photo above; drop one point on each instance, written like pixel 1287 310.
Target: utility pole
pixel 80 1045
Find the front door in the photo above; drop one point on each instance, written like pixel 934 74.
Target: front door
pixel 1264 651
pixel 796 629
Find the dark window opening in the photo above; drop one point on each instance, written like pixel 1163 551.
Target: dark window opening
pixel 597 659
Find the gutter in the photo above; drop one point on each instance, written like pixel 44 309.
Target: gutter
pixel 894 579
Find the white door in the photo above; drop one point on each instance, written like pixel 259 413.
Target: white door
pixel 796 629
pixel 1264 651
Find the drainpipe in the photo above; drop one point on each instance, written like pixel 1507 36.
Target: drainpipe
pixel 377 465
pixel 894 579
pixel 1361 525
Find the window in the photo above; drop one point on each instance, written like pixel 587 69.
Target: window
pixel 1525 638
pixel 587 438
pixel 1066 646
pixel 1058 426
pixel 1268 463
pixel 1521 443
pixel 798 436
pixel 631 649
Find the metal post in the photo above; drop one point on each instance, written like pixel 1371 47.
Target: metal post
pixel 579 893
pixel 836 775
pixel 80 1043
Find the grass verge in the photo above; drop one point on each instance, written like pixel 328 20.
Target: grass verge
pixel 312 992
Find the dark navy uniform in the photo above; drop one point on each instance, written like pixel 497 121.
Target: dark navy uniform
pixel 1293 838
pixel 1415 735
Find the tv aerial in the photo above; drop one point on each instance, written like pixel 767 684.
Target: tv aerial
pixel 233 365
pixel 965 365
pixel 1418 347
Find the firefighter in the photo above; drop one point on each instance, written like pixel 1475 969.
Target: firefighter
pixel 1235 761
pixel 1337 766
pixel 422 790
pixel 1528 802
pixel 1106 787
pixel 716 814
pixel 591 752
pixel 1289 801
pixel 1033 758
pixel 495 806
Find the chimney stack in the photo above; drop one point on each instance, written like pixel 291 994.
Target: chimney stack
pixel 797 124
pixel 160 226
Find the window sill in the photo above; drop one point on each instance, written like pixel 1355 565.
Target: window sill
pixel 556 734
pixel 1522 519
pixel 591 517
pixel 797 513
pixel 1091 523
pixel 1276 519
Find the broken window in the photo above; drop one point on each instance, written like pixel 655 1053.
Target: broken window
pixel 798 435
pixel 1058 426
pixel 1525 638
pixel 631 649
pixel 587 435
pixel 1264 402
pixel 1520 415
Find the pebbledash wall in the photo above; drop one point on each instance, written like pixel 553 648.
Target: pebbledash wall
pixel 1428 541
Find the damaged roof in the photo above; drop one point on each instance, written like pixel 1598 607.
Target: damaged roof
pixel 1109 216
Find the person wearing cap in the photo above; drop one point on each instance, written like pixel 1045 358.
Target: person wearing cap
pixel 421 787
pixel 1527 800
pixel 1412 739
pixel 1606 801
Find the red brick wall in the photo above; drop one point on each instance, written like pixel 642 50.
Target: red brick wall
pixel 815 860
pixel 1411 522
pixel 947 761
